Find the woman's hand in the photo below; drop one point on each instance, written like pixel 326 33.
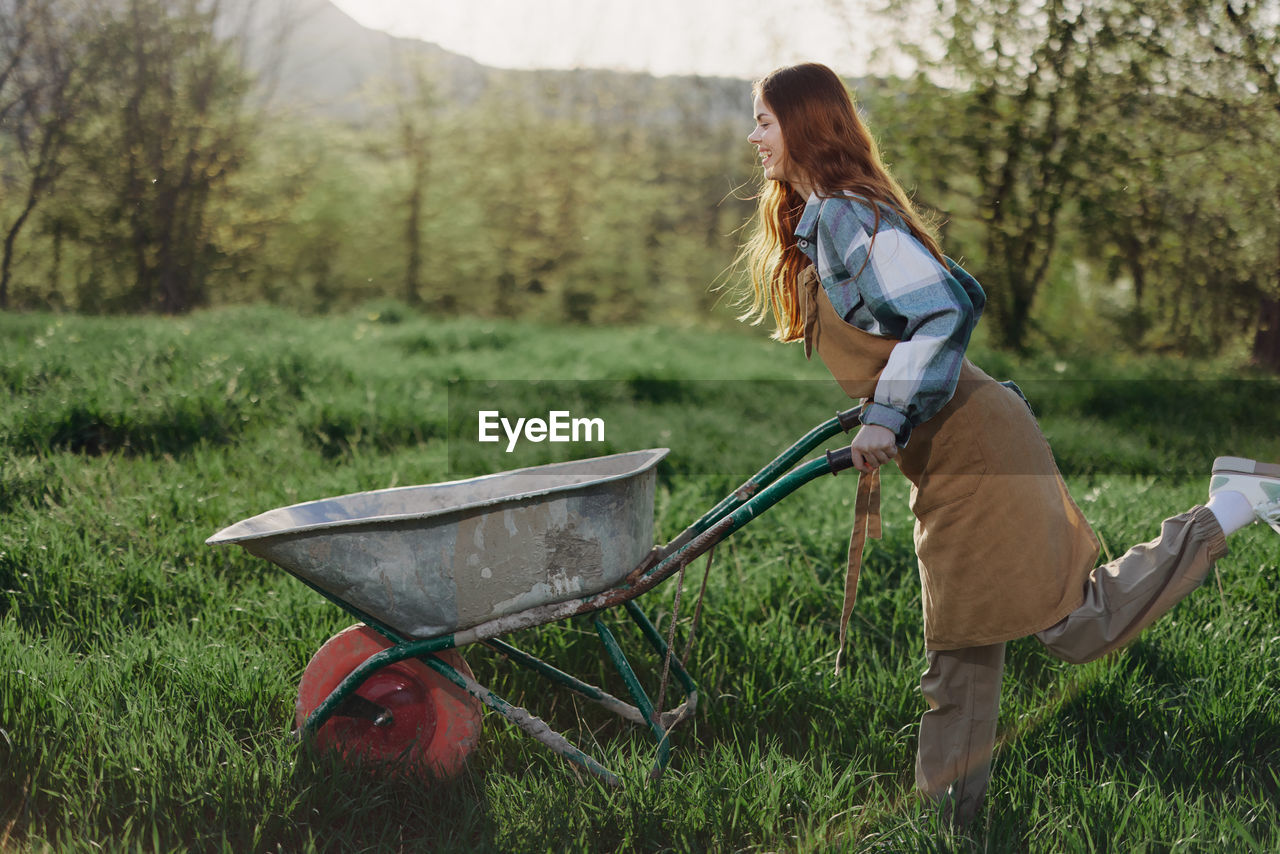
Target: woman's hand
pixel 873 447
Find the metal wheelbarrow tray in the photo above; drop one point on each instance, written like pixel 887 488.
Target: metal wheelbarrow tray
pixel 434 567
pixel 429 560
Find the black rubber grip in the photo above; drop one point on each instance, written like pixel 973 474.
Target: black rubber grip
pixel 840 460
pixel 849 418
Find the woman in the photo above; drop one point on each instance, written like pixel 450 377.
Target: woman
pixel 844 262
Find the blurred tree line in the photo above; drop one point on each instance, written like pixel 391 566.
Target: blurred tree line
pixel 143 168
pixel 1107 168
pixel 1104 163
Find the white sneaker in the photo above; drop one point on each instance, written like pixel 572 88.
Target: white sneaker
pixel 1258 482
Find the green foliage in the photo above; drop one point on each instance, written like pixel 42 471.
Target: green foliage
pixel 137 149
pixel 1107 168
pixel 147 680
pixel 161 169
pixel 180 192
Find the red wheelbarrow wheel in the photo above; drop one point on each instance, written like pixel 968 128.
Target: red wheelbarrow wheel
pixel 432 724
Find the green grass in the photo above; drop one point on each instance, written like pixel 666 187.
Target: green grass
pixel 147 681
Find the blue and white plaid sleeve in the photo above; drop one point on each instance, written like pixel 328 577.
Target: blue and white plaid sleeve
pixel 902 292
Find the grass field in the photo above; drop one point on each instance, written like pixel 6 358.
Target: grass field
pixel 147 681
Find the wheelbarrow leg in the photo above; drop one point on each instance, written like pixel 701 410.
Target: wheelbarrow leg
pixel 564 680
pixel 638 694
pixel 659 645
pixel 532 725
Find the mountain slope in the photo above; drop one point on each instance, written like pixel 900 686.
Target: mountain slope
pixel 315 58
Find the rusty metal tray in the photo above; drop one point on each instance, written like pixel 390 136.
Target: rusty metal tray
pixel 431 560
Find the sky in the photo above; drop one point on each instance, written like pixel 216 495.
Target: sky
pixel 733 38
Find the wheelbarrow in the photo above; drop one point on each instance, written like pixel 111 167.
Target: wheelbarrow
pixel 429 569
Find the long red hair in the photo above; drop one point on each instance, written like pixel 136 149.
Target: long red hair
pixel 829 145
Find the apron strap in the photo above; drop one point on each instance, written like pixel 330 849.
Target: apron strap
pixel 866 508
pixel 866 524
pixel 808 292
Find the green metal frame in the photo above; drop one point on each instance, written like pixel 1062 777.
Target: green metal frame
pixel 775 481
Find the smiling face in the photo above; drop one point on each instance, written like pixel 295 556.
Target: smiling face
pixel 767 138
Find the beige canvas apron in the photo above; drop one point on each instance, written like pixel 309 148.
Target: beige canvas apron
pixel 1003 550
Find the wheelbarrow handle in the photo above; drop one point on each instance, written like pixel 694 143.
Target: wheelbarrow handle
pixel 849 418
pixel 841 422
pixel 683 553
pixel 840 460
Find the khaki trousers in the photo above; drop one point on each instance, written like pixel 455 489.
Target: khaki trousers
pixel 1121 598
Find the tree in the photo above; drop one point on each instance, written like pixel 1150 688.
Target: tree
pixel 1110 123
pixel 1021 128
pixel 173 129
pixel 1256 48
pixel 416 113
pixel 1187 208
pixel 44 71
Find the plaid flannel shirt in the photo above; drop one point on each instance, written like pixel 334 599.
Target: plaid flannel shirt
pixel 901 292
